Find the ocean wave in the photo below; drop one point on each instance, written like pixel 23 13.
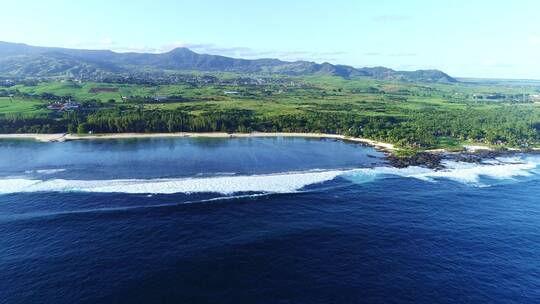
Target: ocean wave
pixel 289 182
pixel 271 183
pixel 45 171
pixel 504 168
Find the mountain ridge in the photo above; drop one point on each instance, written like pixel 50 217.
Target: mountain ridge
pixel 22 60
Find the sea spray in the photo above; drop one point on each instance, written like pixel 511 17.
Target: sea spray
pixel 271 183
pixel 288 182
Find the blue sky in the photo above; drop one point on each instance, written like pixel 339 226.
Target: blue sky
pixel 464 38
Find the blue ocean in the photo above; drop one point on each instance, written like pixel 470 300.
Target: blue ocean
pixel 262 220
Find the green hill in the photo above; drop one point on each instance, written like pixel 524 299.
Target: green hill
pixel 21 61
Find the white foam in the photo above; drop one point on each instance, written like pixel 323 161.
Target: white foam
pixel 45 171
pixel 468 173
pixel 274 183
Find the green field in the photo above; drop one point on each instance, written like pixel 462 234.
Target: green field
pixel 413 115
pixel 17 106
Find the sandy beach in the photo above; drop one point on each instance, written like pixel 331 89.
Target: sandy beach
pixel 68 137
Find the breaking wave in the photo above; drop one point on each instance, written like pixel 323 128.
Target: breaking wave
pixel 468 173
pixel 272 183
pixel 45 171
pixel 507 168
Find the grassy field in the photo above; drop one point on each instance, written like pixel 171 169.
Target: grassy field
pixel 359 94
pixel 16 106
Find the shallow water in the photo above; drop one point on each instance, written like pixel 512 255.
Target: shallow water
pixel 261 220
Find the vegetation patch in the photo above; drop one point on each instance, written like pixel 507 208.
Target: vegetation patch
pixel 413 116
pixel 103 90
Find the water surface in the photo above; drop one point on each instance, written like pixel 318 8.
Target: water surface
pixel 261 220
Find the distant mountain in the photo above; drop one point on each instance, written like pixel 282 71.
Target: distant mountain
pixel 21 60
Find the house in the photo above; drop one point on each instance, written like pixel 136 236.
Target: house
pixel 160 98
pixel 57 106
pixel 63 106
pixel 70 106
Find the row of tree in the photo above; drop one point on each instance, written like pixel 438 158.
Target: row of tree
pixel 419 129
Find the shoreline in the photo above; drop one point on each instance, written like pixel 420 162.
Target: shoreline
pixel 429 158
pixel 432 159
pixel 61 137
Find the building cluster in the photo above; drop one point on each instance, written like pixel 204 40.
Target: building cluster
pixel 189 79
pixel 504 97
pixel 63 106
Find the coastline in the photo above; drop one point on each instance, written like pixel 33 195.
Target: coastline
pixel 60 137
pixel 429 158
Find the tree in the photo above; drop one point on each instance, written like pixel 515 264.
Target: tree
pixel 82 128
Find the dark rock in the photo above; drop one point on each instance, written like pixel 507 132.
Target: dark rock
pixel 423 159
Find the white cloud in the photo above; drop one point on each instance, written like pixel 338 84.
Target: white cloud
pixel 238 52
pixel 104 43
pixel 108 43
pixel 405 54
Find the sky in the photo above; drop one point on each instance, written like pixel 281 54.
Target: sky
pixel 473 38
